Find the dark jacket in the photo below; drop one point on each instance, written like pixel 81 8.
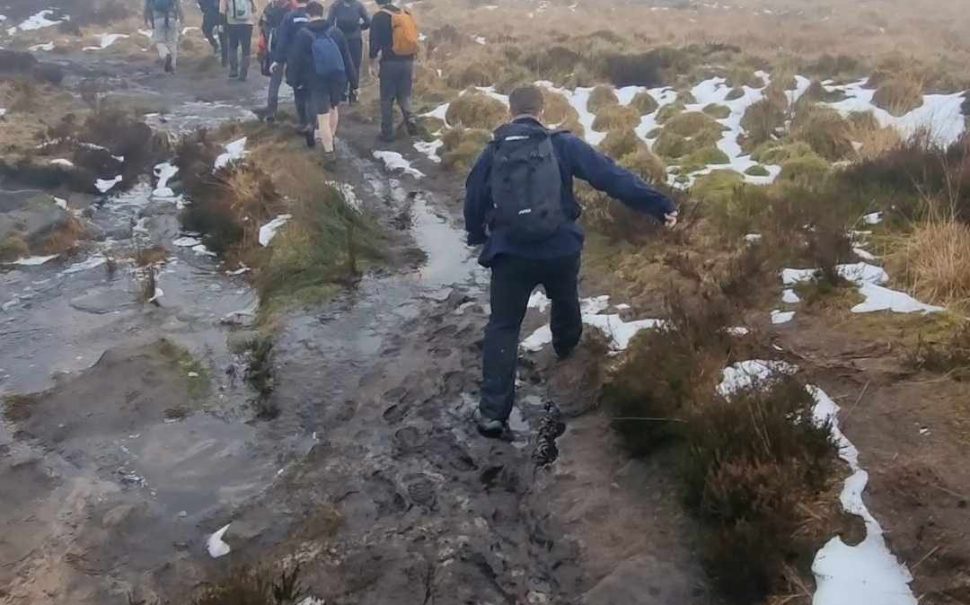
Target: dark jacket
pixel 350 17
pixel 292 23
pixel 209 6
pixel 301 56
pixel 382 36
pixel 576 159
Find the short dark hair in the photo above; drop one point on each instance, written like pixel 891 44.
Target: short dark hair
pixel 526 101
pixel 314 9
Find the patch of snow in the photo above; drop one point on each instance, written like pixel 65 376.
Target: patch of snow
pixel 235 151
pixel 216 546
pixel 147 33
pixel 60 203
pixel 106 185
pixel 879 298
pixel 781 317
pixel 790 297
pixel 738 331
pixel 395 162
pixel 349 194
pixel 539 301
pixel 37 21
pixel 186 30
pixel 480 40
pixel 242 269
pixel 106 40
pixel 201 250
pixel 753 238
pixel 868 572
pixel 62 162
pixel 268 231
pixel 33 261
pixel 621 332
pixel 863 273
pixel 164 173
pixel 430 149
pixel 46 47
pixel 864 254
pixel 440 112
pixel 790 277
pixel 746 374
pixel 86 265
pixel 872 219
pixel 186 242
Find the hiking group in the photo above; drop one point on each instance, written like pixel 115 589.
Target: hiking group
pixel 319 53
pixel 519 200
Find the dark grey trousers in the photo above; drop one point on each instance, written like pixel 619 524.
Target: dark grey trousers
pixel 397 83
pixel 240 49
pixel 275 81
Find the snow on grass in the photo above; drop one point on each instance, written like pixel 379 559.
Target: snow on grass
pixel 940 116
pixel 164 173
pixel 37 21
pixel 215 544
pixel 620 331
pixel 33 261
pixel 106 185
pixel 867 572
pixel 268 231
pixel 879 298
pixel 46 47
pixel 872 219
pixel 62 163
pixel 395 162
pixel 92 262
pixel 347 191
pixel 790 297
pixel 106 40
pixel 430 149
pixel 186 242
pixel 439 113
pixel 235 151
pixel 747 374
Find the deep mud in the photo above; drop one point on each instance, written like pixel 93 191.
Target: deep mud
pixel 137 437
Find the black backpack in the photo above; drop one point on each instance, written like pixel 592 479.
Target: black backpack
pixel 163 6
pixel 527 186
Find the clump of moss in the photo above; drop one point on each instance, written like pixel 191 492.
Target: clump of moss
pixel 806 169
pixel 687 133
pixel 646 165
pixel 616 117
pixel 717 186
pixel 734 94
pixel 778 152
pixel 619 143
pixel 763 121
pixel 645 103
pixel 702 158
pixel 600 98
pixel 669 111
pixel 476 110
pixel 692 124
pixel 461 146
pixel 757 170
pixel 825 131
pixel 13 247
pixel 718 112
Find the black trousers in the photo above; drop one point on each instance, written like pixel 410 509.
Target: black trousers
pixel 356 48
pixel 240 48
pixel 513 281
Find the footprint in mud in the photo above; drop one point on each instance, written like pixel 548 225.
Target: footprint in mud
pixel 443 450
pixel 395 414
pixel 421 490
pixel 409 439
pixel 441 352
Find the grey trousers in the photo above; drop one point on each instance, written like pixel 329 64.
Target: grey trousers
pixel 275 81
pixel 397 83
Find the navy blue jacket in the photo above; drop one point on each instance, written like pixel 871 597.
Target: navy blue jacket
pixel 293 22
pixel 577 159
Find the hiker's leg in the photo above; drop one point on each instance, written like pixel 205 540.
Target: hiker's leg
pixel 209 22
pixel 234 39
pixel 223 41
pixel 404 91
pixel 162 48
pixel 388 93
pixel 512 284
pixel 301 98
pixel 246 44
pixel 356 48
pixel 175 35
pixel 334 120
pixel 320 110
pixel 273 96
pixel 561 282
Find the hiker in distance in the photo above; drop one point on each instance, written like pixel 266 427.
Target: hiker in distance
pixel 164 18
pixel 520 204
pixel 212 28
pixel 240 19
pixel 320 59
pixel 394 41
pixel 351 18
pixel 269 29
pixel 292 22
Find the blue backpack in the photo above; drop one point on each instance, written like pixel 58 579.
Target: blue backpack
pixel 328 61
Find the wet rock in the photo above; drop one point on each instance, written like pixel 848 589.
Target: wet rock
pixel 644 579
pixel 35 219
pixel 17 63
pixel 100 302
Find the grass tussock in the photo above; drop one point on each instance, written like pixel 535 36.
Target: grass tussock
pixel 249 586
pixel 764 120
pixel 824 130
pixel 476 110
pixel 644 103
pixel 947 355
pixel 557 110
pixel 600 98
pixel 899 95
pixel 616 117
pixel 462 146
pixel 620 143
pixel 934 261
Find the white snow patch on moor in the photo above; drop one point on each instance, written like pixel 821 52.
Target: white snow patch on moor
pixel 870 279
pixel 235 151
pixel 62 163
pixel 268 231
pixel 395 162
pixel 430 149
pixel 46 47
pixel 106 40
pixel 37 21
pixel 216 546
pixel 33 261
pixel 619 331
pixel 781 317
pixel 106 185
pixel 164 173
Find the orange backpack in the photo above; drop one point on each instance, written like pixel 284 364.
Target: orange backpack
pixel 405 33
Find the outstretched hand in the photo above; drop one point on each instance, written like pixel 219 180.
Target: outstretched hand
pixel 670 219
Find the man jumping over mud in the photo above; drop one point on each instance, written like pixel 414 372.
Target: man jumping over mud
pixel 519 203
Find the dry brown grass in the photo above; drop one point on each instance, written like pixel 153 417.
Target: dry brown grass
pixel 616 117
pixel 601 98
pixel 900 94
pixel 476 110
pixel 934 260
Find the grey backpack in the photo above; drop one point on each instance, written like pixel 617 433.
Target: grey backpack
pixel 526 186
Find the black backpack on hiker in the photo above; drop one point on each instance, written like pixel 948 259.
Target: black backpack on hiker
pixel 163 6
pixel 526 185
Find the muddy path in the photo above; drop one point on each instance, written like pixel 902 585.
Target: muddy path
pixel 371 476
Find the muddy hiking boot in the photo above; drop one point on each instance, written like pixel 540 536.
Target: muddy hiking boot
pixel 412 127
pixel 489 427
pixel 169 68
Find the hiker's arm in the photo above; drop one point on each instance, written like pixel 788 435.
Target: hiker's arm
pixel 299 54
pixel 604 175
pixel 278 54
pixel 478 199
pixel 380 33
pixel 364 17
